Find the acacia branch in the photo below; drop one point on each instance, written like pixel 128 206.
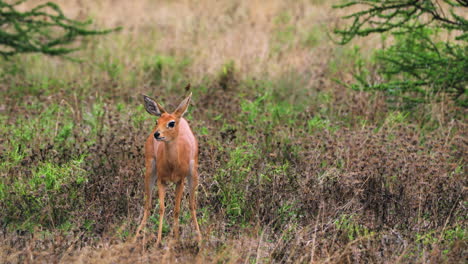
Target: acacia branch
pixel 383 16
pixel 43 29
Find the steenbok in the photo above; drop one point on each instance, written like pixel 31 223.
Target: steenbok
pixel 171 155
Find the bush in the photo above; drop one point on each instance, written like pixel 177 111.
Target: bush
pixel 424 61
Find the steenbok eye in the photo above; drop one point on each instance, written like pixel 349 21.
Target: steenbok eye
pixel 171 124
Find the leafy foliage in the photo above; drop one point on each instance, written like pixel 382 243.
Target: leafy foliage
pixel 424 59
pixel 43 29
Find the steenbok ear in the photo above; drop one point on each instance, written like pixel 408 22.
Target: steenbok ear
pixel 152 107
pixel 180 111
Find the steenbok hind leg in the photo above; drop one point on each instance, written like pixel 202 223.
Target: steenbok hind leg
pixel 193 182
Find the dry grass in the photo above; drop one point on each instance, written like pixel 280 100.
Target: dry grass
pixel 260 37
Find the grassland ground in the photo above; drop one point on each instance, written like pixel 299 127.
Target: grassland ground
pixel 294 167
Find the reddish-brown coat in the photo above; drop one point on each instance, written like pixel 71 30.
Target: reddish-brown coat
pixel 171 157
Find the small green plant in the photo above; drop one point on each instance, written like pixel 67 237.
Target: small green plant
pixel 166 70
pixel 233 177
pixel 447 237
pixel 317 123
pixel 254 111
pixel 353 230
pixel 227 77
pixel 112 67
pixel 269 112
pixel 313 37
pixel 52 176
pixel 94 120
pixel 53 125
pixel 347 57
pixel 288 213
pixel 154 219
pixel 40 199
pixel 284 32
pixel 394 118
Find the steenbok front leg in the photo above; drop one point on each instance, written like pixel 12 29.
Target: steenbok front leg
pixel 162 195
pixel 150 177
pixel 178 199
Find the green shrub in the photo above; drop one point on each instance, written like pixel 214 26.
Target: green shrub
pixel 237 173
pixel 423 62
pixel 46 198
